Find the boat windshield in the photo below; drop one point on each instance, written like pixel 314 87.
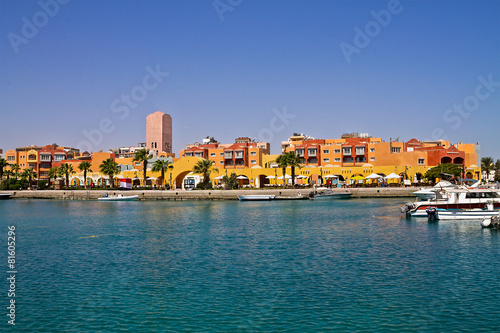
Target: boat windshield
pixel 482 195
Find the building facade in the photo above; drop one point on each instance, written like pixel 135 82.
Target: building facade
pixel 159 133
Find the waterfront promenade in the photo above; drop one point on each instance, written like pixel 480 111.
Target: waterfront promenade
pixel 203 195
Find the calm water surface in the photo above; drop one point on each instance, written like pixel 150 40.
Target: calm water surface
pixel 310 266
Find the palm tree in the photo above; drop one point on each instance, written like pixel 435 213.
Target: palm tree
pixel 3 165
pixel 294 162
pixel 109 167
pixel 65 170
pixel 282 161
pixel 487 164
pixel 53 173
pixel 15 169
pixel 85 166
pixel 143 156
pixel 30 174
pixel 8 174
pixel 205 168
pixel 162 165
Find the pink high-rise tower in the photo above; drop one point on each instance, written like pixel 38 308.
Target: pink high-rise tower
pixel 159 132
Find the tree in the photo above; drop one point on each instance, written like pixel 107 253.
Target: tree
pixel 143 156
pixel 294 162
pixel 15 169
pixel 230 183
pixel 205 168
pixel 3 165
pixel 65 170
pixel 162 165
pixel 85 166
pixel 282 161
pixel 28 174
pixel 53 173
pixel 449 168
pixel 487 164
pixel 109 168
pixel 8 174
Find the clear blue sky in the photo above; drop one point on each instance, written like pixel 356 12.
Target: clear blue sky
pixel 229 67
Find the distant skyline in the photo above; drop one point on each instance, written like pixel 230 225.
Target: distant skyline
pixel 87 73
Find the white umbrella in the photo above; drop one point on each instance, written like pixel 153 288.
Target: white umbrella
pixel 392 176
pixel 301 176
pixel 242 177
pixel 331 176
pixel 374 176
pixel 286 177
pixel 270 177
pixel 219 177
pixel 153 178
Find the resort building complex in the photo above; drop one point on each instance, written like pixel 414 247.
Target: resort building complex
pixel 352 157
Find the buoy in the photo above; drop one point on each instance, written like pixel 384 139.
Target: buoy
pixel 486 223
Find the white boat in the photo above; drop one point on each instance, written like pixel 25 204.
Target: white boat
pixel 119 197
pixel 461 214
pixel 256 197
pixel 329 194
pixel 455 199
pixel 430 193
pixel 5 196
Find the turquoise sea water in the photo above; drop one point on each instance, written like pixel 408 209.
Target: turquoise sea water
pixel 303 266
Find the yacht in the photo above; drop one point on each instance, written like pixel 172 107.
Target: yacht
pixel 455 199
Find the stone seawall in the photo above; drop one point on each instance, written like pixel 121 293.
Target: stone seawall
pixel 203 195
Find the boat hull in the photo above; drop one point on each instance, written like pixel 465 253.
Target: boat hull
pixel 465 214
pixel 256 197
pixel 123 198
pixel 5 196
pixel 334 196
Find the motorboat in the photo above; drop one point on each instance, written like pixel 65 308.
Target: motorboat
pixel 329 194
pixel 256 197
pixel 434 213
pixel 454 199
pixel 430 193
pixel 4 196
pixel 119 197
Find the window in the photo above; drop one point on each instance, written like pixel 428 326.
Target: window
pixel 360 150
pixel 44 165
pixel 313 160
pixel 59 157
pixel 253 162
pixel 32 157
pixel 228 154
pixel 347 150
pixel 253 153
pixel 326 160
pixel 198 154
pixel 137 163
pixel 11 158
pixel 299 152
pixel 45 157
pixel 348 160
pixel 31 165
pixel 221 162
pixel 238 154
pixel 188 154
pixel 421 161
pixel 337 159
pixel 240 162
pixel 311 152
pixel 372 159
pixel 221 154
pixel 326 151
pixel 212 154
pixel 395 149
pixel 337 151
pixel 372 150
pixel 22 156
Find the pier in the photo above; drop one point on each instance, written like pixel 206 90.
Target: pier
pixel 202 194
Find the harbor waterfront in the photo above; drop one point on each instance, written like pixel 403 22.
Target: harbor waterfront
pixel 389 192
pixel 230 266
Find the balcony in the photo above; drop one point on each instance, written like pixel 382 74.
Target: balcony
pixel 299 152
pixel 346 151
pixel 312 152
pixel 228 155
pixel 360 151
pixel 238 154
pixel 32 158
